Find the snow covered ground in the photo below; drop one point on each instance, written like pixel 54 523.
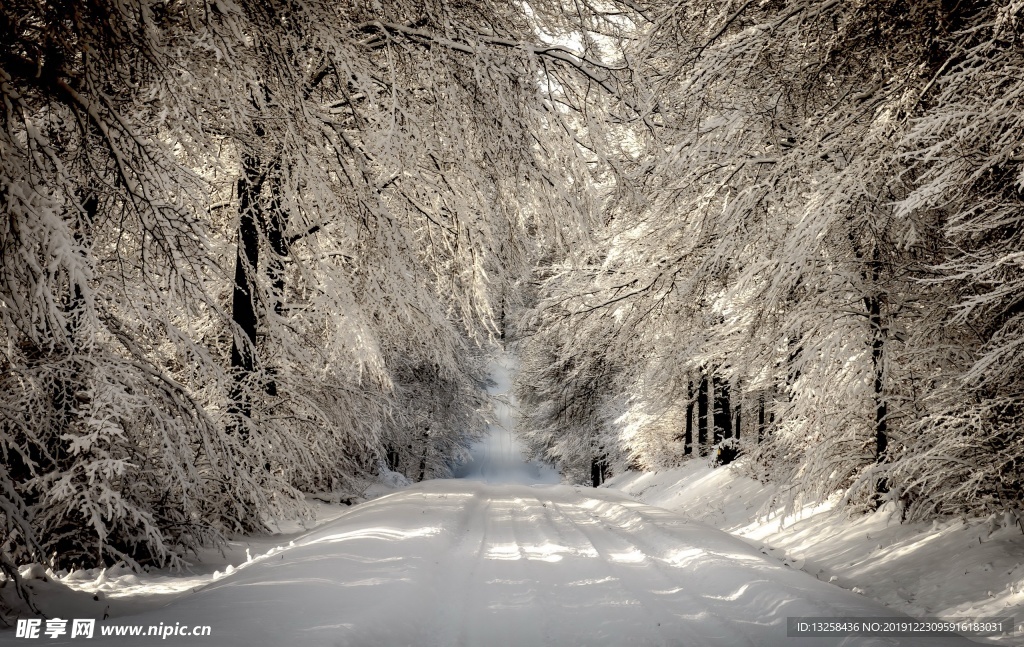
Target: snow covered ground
pixel 954 568
pixel 461 562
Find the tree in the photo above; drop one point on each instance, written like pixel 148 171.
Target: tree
pixel 964 149
pixel 103 244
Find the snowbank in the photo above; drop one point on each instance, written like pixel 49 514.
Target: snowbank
pixel 953 568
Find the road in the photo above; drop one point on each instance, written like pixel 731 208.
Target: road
pixel 466 563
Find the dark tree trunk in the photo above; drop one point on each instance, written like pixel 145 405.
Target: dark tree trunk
pixel 245 309
pixel 761 420
pixel 871 273
pixel 423 456
pixel 598 469
pixel 723 410
pixel 244 298
pixel 702 415
pixel 688 431
pixel 392 458
pixel 723 420
pixel 878 367
pixel 737 424
pixel 502 321
pixel 874 308
pixel 255 220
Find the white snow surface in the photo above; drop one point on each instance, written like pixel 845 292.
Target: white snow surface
pixel 460 562
pixel 954 568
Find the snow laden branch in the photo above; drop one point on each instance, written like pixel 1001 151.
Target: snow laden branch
pixel 599 72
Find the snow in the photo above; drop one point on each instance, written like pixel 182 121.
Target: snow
pixel 952 568
pixel 119 592
pixel 462 562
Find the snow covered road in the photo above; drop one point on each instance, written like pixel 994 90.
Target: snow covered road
pixel 458 562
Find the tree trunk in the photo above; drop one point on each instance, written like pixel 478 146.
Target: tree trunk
pixel 688 432
pixel 702 415
pixel 423 456
pixel 761 420
pixel 502 321
pixel 874 308
pixel 391 458
pixel 254 219
pixel 244 298
pixel 723 410
pixel 737 423
pixel 245 306
pixel 598 469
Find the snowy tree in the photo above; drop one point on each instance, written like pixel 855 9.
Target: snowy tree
pixel 105 451
pixel 965 151
pixel 566 385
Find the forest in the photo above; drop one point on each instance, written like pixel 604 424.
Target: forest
pixel 255 250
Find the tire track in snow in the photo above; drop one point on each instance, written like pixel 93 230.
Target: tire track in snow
pixel 640 573
pixel 504 599
pixel 637 591
pixel 584 573
pixel 453 599
pixel 525 532
pixel 782 585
